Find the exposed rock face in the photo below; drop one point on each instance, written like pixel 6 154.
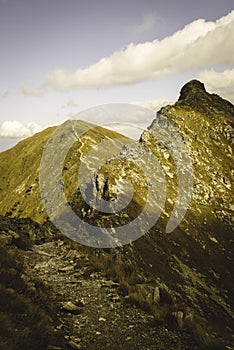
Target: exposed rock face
pixel 205 123
pixel 195 259
pixel 181 275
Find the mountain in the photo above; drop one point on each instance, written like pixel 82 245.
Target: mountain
pixel 19 190
pixel 194 260
pixel 179 270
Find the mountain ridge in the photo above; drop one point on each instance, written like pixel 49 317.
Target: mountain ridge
pixel 191 266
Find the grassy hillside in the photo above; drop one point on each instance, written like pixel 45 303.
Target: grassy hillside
pixel 19 168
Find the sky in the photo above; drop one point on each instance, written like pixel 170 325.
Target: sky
pixel 60 57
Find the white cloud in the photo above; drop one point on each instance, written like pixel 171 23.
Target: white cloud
pixel 129 130
pixel 15 129
pixel 149 21
pixel 199 44
pixel 221 83
pixel 4 94
pixel 69 110
pixel 28 90
pixel 154 105
pixel 70 105
pixel 113 116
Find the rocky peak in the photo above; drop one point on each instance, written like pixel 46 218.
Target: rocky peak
pixel 193 87
pixel 193 95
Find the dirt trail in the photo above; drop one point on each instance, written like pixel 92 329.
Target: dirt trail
pixel 93 315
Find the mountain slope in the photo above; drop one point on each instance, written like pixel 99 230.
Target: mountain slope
pixel 184 277
pixel 195 260
pixel 19 167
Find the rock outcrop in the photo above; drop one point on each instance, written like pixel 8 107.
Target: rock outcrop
pixel 195 259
